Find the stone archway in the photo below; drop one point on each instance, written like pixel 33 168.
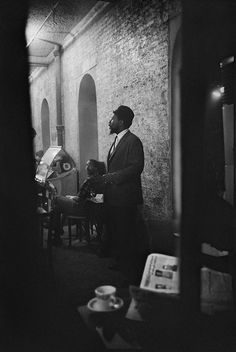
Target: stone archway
pixel 88 129
pixel 45 125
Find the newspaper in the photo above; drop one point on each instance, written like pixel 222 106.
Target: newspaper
pixel 161 277
pixel 161 274
pixel 98 198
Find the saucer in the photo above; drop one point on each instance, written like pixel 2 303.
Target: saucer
pixel 94 307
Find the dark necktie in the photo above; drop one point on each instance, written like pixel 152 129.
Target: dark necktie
pixel 113 147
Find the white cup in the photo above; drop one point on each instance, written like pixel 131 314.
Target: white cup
pixel 106 297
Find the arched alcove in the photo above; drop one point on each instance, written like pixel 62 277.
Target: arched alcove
pixel 88 129
pixel 45 125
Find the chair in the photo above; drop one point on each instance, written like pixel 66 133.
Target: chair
pixel 96 217
pixel 44 219
pixel 46 192
pixel 219 239
pixel 82 227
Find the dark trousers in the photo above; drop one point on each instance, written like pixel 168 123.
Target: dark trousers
pixel 122 240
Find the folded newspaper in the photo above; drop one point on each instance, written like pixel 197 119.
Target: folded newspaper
pixel 160 282
pixel 160 276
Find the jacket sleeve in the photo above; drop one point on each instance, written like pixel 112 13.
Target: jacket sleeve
pixel 84 192
pixel 134 168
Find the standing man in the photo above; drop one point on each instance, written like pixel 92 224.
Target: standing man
pixel 123 191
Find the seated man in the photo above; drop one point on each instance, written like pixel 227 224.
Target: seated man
pixel 76 205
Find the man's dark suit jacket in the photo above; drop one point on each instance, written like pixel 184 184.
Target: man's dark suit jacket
pixel 125 165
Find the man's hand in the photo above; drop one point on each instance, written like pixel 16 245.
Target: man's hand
pixel 69 196
pixel 108 178
pixel 75 198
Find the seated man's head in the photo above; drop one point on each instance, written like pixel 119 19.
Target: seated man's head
pixel 94 167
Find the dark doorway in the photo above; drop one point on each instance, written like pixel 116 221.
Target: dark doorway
pixel 176 65
pixel 229 126
pixel 45 124
pixel 88 130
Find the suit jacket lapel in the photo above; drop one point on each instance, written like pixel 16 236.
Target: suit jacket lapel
pixel 117 147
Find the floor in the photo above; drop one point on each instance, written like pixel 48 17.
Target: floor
pixel 54 325
pixel 69 283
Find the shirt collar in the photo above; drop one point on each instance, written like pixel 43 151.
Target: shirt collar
pixel 121 134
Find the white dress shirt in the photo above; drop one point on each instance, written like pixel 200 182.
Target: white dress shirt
pixel 120 135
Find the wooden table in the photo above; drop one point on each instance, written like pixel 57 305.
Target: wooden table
pixel 116 331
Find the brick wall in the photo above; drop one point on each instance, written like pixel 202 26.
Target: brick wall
pixel 125 50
